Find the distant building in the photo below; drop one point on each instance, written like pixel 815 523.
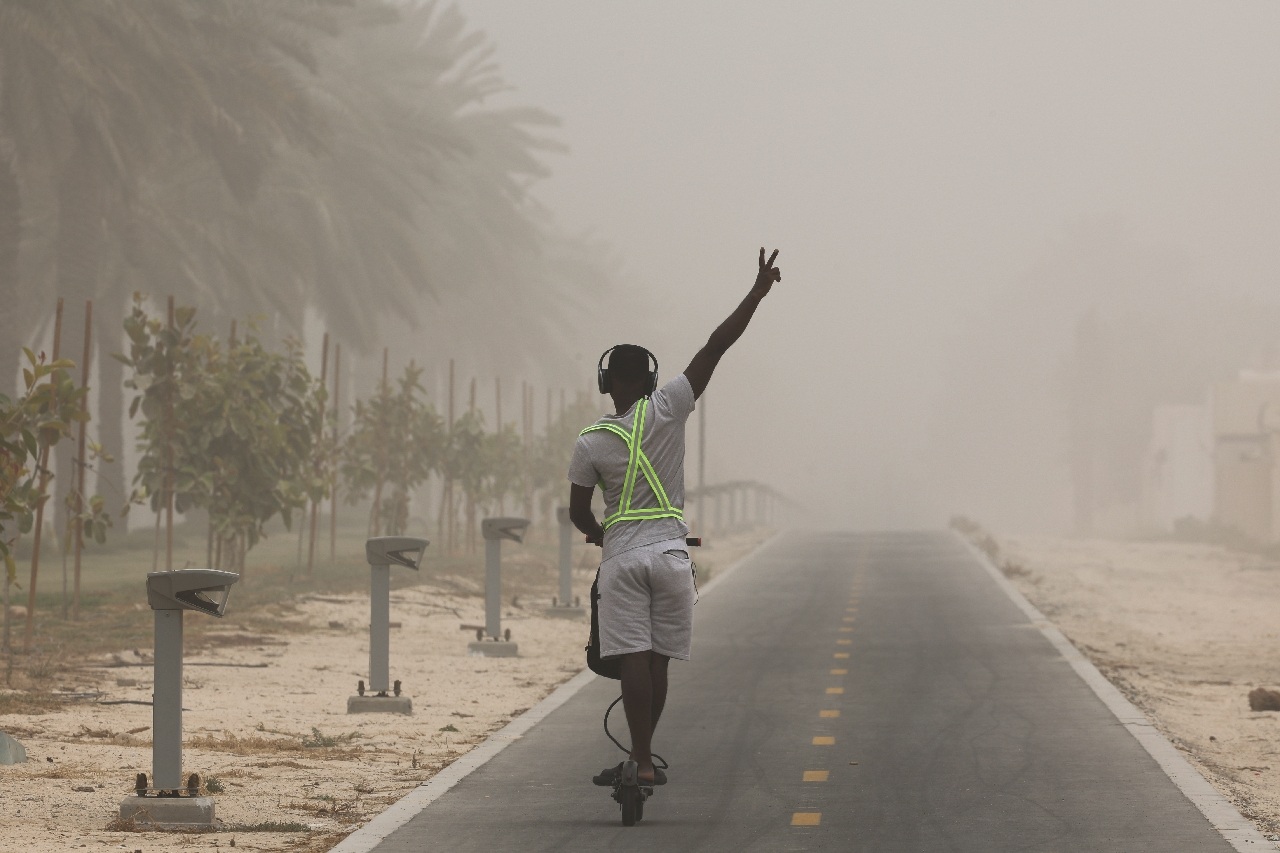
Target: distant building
pixel 1246 450
pixel 1178 479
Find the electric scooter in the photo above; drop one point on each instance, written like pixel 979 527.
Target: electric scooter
pixel 627 791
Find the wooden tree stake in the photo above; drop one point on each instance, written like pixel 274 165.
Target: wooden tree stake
pixel 168 471
pixel 333 483
pixel 43 463
pixel 315 504
pixel 80 460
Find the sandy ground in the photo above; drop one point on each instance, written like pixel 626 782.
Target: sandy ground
pixel 1185 631
pixel 267 725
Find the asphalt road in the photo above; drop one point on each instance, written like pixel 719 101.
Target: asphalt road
pixel 852 692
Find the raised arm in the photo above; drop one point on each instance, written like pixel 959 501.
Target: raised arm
pixel 704 363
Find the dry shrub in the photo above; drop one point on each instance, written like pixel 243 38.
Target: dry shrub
pixel 67 770
pixel 316 842
pixel 27 702
pixel 1014 570
pixel 1262 699
pixel 219 639
pixel 250 745
pixel 241 773
pixel 325 807
pixel 262 745
pixel 292 764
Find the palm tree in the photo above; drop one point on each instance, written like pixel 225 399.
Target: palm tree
pixel 91 96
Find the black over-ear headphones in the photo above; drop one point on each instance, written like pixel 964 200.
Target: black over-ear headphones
pixel 602 372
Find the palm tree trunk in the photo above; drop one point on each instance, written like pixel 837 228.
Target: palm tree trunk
pixel 77 247
pixel 12 324
pixel 110 424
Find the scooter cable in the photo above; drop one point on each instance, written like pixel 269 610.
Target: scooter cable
pixel 658 760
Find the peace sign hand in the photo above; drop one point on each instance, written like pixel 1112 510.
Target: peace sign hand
pixel 768 273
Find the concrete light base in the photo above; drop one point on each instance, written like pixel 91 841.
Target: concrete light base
pixel 379 705
pixel 493 648
pixel 566 612
pixel 168 812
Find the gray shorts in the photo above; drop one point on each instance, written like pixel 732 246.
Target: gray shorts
pixel 646 601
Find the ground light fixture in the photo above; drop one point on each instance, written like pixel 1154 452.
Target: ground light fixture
pixel 383 695
pixel 564 605
pixel 491 641
pixel 169 802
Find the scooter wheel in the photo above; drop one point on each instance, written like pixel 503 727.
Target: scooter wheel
pixel 630 805
pixel 640 809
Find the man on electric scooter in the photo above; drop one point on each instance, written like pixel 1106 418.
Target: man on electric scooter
pixel 637 457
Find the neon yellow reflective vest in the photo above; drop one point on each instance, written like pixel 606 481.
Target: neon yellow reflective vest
pixel 637 462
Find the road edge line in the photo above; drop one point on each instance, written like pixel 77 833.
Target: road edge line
pixel 1235 828
pixel 370 835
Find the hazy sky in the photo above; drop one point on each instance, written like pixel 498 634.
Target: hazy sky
pixel 912 161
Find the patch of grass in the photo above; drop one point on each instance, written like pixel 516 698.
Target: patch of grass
pixel 326 806
pixel 291 764
pixel 213 785
pixel 27 702
pixel 252 745
pixel 449 728
pixel 267 826
pixel 72 770
pixel 324 741
pixel 128 824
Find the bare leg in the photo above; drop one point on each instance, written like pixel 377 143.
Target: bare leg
pixel 658 677
pixel 638 702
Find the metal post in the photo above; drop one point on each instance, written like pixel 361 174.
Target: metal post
pixel 166 711
pixel 382 552
pixel 493 588
pixel 566 547
pixel 490 640
pixel 379 629
pixel 564 605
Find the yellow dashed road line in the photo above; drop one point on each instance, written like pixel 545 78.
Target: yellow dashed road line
pixel 816 775
pixel 806 818
pixel 824 740
pixel 829 713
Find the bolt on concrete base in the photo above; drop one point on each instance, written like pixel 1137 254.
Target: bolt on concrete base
pixel 493 648
pixel 379 705
pixel 565 612
pixel 174 813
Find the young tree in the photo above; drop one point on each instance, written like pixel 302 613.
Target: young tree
pixel 29 425
pixel 229 429
pixel 396 440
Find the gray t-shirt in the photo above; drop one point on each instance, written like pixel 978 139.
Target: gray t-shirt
pixel 600 457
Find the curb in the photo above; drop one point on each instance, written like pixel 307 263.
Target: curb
pixel 1237 830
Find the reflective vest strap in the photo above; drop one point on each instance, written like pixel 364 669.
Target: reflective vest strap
pixel 633 459
pixel 637 462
